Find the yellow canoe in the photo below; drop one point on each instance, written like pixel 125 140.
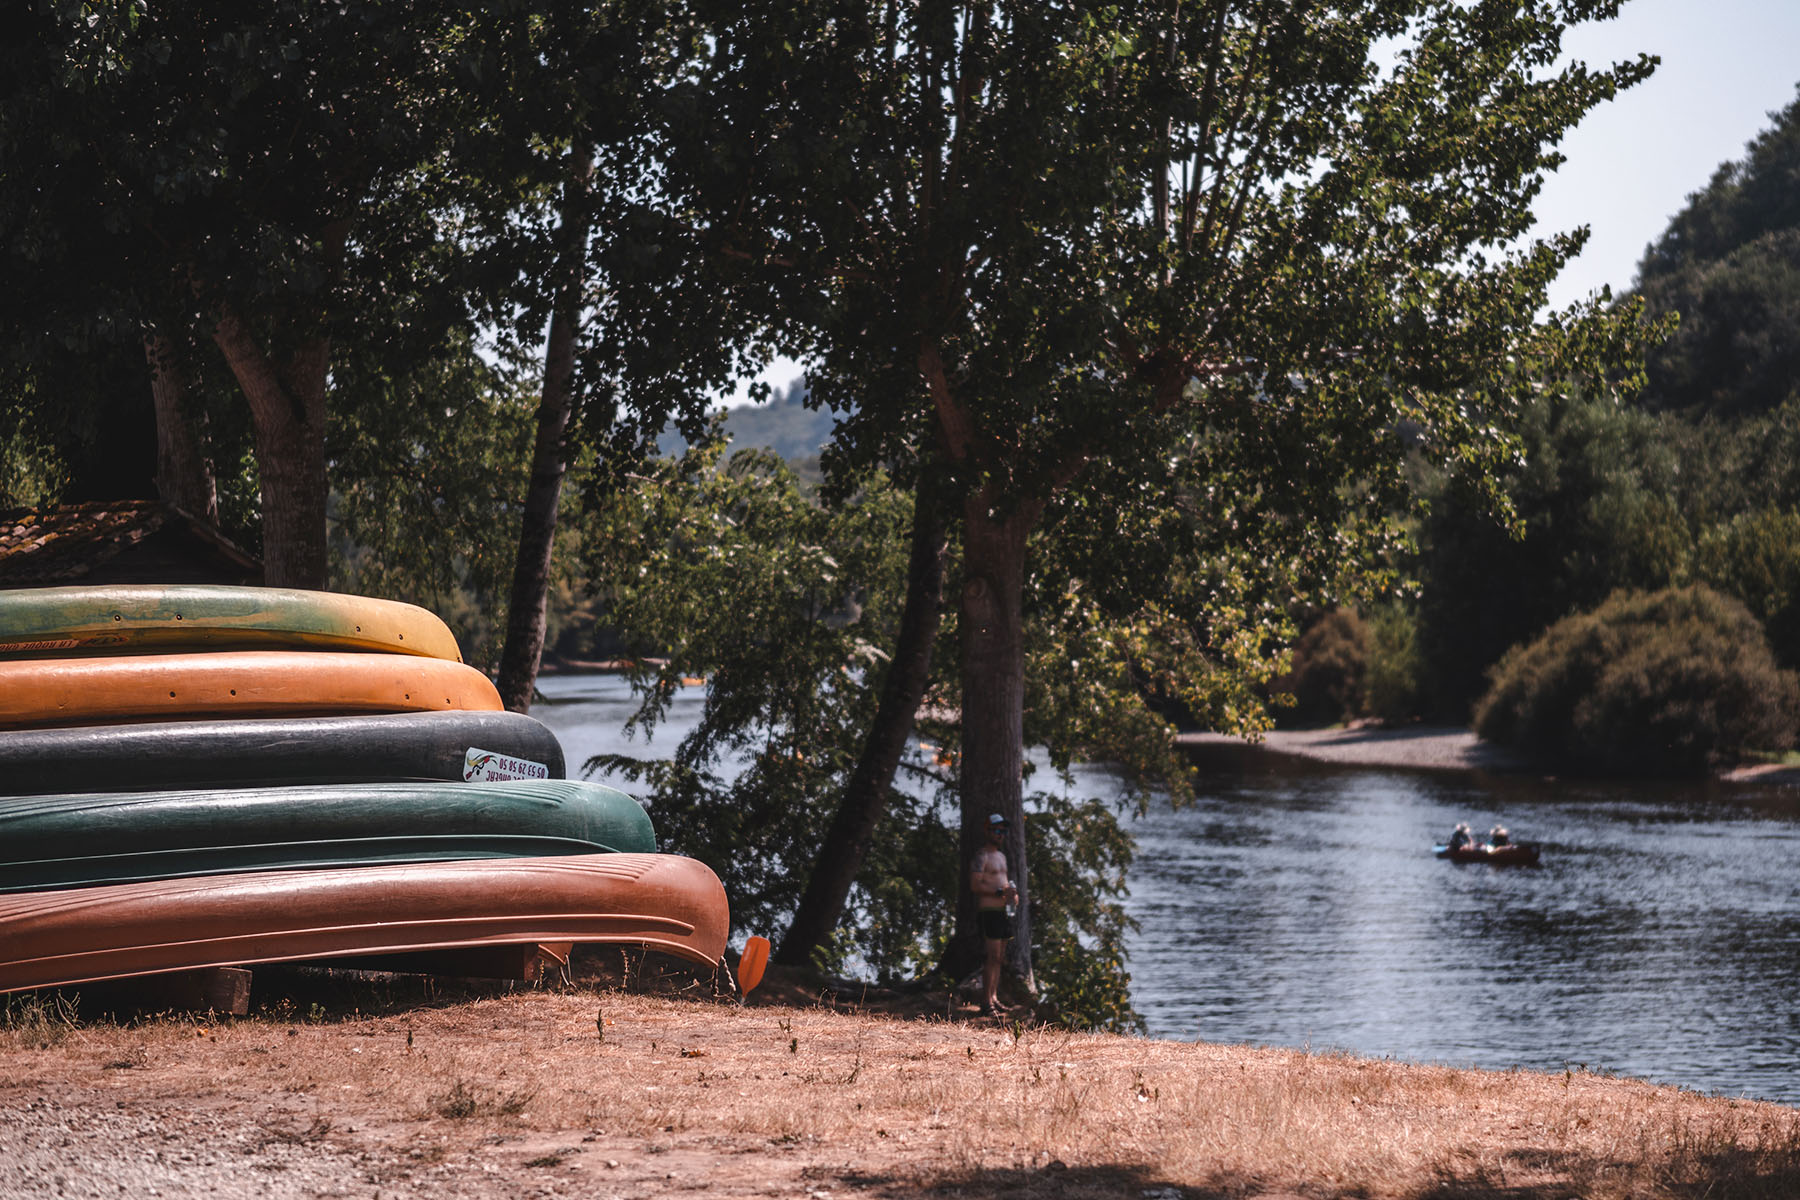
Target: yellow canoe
pixel 136 618
pixel 245 683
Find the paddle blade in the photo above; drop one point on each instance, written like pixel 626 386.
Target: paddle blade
pixel 750 966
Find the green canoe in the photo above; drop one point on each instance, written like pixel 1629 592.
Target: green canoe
pixel 172 618
pixel 66 841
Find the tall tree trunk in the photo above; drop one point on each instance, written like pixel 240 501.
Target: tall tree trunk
pixel 184 477
pixel 287 410
pixel 525 614
pixel 865 799
pixel 993 722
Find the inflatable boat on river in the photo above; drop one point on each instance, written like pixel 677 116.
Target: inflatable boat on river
pixel 65 841
pixel 453 746
pixel 82 935
pixel 1515 854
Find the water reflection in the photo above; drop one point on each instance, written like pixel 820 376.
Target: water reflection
pixel 1299 905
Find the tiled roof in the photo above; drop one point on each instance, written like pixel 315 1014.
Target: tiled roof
pixel 68 542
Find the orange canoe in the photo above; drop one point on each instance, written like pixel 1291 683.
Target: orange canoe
pixel 250 683
pixel 659 901
pixel 124 618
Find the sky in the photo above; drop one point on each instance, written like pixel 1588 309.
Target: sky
pixel 1726 65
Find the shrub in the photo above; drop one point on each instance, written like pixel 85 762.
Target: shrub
pixel 1668 682
pixel 1329 661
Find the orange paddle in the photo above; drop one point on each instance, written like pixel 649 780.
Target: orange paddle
pixel 751 964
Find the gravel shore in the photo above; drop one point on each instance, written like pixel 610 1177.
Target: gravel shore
pixel 1423 747
pixel 1431 747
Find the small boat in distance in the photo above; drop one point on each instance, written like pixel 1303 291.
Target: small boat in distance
pixel 1513 854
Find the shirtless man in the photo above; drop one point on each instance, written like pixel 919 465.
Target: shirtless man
pixel 993 892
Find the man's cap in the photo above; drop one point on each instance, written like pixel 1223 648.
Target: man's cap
pixel 996 821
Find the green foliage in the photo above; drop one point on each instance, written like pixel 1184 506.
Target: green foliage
pixel 1729 263
pixel 1396 674
pixel 1330 665
pixel 1737 349
pixel 1080 854
pixel 430 460
pixel 785 606
pixel 31 471
pixel 1596 496
pixel 1756 558
pixel 1668 682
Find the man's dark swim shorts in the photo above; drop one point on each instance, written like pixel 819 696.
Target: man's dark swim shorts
pixel 995 925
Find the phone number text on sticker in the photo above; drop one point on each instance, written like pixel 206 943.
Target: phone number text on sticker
pixel 485 766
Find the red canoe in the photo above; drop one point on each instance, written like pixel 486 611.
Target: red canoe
pixel 1515 854
pixel 659 901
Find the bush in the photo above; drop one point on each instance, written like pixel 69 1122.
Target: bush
pixel 1669 682
pixel 1327 679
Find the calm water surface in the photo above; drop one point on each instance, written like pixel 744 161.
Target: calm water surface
pixel 1300 905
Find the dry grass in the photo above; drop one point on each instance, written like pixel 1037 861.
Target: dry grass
pixel 765 1100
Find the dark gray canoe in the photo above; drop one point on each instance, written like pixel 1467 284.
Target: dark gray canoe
pixel 65 841
pixel 128 757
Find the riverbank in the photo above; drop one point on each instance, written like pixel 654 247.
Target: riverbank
pixel 1418 747
pixel 526 1095
pixel 1432 748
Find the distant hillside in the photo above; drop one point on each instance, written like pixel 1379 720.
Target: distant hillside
pixel 784 425
pixel 1729 263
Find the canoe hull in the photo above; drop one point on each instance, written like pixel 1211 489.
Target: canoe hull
pixel 245 683
pixel 117 758
pixel 65 841
pixel 137 618
pixel 659 901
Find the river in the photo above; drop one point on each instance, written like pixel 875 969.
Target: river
pixel 1298 904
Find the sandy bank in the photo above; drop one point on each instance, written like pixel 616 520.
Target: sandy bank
pixel 527 1095
pixel 1414 746
pixel 1424 747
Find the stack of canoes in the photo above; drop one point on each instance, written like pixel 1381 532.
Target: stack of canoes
pixel 197 776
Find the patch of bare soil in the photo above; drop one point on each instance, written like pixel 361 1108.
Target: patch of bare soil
pixel 404 1089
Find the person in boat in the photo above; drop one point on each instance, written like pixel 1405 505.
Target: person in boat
pixel 993 892
pixel 1497 836
pixel 1462 839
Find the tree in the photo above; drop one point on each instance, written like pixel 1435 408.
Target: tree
pixel 1054 244
pixel 786 602
pixel 247 180
pixel 1729 264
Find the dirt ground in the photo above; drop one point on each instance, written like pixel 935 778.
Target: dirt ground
pixel 409 1089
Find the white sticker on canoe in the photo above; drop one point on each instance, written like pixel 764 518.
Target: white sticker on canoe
pixel 485 766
